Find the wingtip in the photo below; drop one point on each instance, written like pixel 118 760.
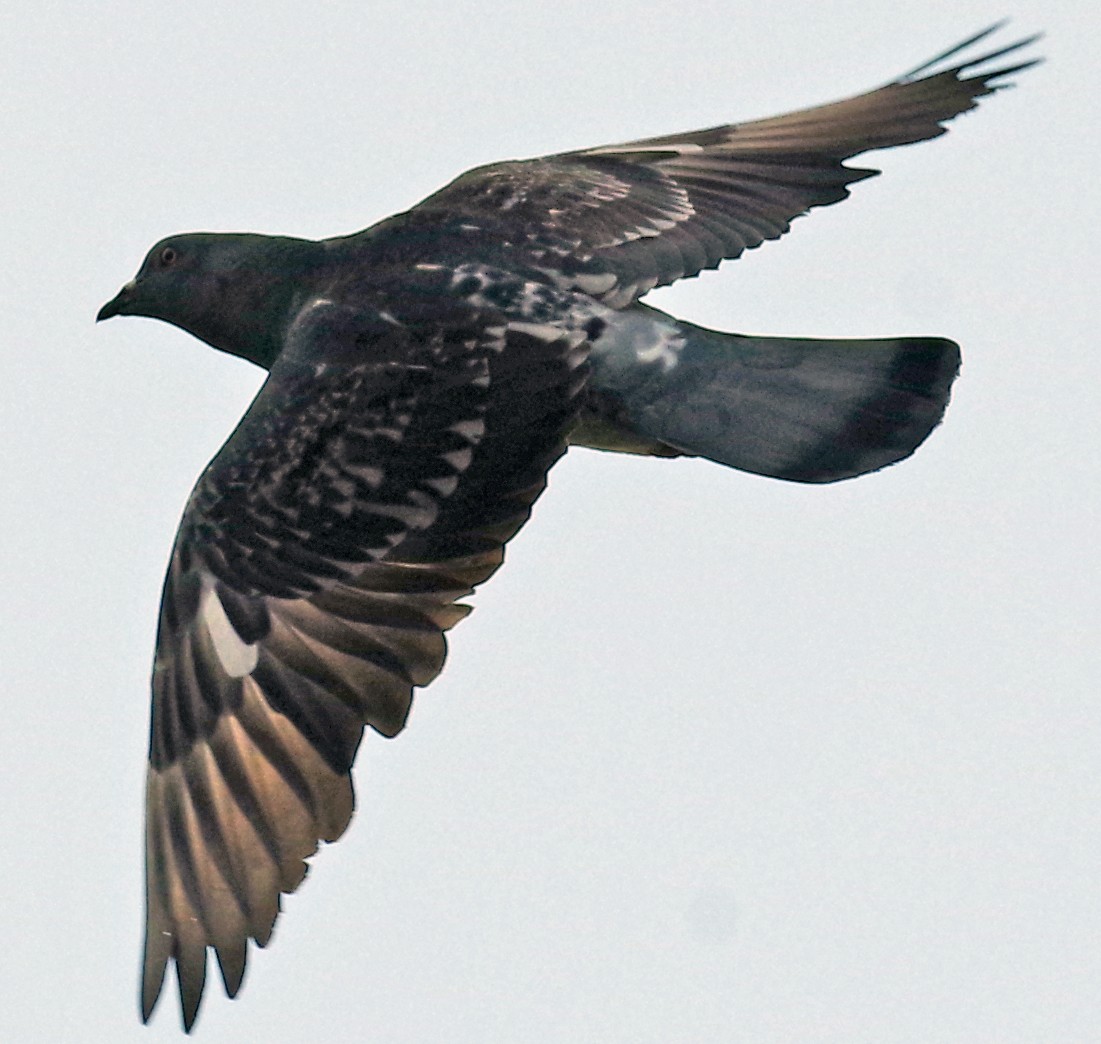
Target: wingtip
pixel 929 68
pixel 152 975
pixel 232 962
pixel 993 56
pixel 191 977
pixel 190 1000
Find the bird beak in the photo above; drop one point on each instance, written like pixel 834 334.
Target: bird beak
pixel 117 303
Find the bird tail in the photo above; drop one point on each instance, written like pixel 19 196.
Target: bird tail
pixel 792 408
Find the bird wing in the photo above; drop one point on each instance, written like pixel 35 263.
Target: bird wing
pixel 618 220
pixel 372 483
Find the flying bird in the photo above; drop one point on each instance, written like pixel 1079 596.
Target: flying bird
pixel 424 376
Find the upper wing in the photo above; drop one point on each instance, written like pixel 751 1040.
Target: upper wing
pixel 618 220
pixel 372 483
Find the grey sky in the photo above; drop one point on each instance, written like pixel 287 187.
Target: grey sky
pixel 716 758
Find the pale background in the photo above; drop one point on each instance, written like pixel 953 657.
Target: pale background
pixel 717 758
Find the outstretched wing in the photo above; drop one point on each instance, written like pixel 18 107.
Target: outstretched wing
pixel 372 484
pixel 618 220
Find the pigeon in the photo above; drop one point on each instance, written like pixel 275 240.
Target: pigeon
pixel 424 376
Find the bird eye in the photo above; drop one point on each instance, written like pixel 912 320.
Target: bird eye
pixel 168 255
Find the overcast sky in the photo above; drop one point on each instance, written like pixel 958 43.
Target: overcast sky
pixel 717 758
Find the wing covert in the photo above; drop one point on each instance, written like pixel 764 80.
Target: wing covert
pixel 320 560
pixel 617 220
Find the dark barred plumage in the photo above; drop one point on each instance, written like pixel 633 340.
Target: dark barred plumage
pixel 425 374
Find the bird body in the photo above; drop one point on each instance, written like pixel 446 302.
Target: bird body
pixel 424 376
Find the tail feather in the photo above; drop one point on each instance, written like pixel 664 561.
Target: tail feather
pixel 791 408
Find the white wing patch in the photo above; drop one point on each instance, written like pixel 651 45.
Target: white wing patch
pixel 541 331
pixel 677 148
pixel 665 352
pixel 237 657
pixel 639 337
pixel 594 284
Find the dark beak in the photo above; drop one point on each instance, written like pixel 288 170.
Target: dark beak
pixel 117 304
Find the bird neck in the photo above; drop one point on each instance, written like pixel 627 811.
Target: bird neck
pixel 259 295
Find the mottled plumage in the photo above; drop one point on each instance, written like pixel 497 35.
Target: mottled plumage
pixel 425 374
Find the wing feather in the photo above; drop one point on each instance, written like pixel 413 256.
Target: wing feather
pixel 645 213
pixel 292 618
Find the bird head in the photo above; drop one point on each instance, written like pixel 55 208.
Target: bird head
pixel 231 290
